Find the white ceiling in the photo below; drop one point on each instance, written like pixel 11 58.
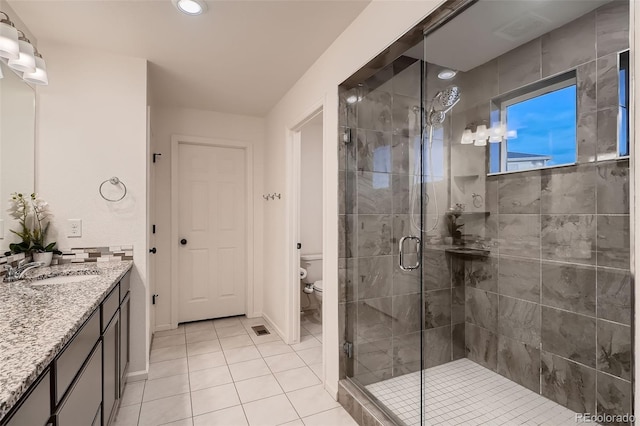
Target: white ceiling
pixel 456 44
pixel 240 57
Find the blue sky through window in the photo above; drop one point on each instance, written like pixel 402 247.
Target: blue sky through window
pixel 545 126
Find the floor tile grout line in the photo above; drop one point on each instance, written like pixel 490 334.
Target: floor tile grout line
pixel 255 344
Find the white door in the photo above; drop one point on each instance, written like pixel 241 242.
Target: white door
pixel 212 232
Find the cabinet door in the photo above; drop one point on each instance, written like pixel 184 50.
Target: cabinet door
pixel 70 361
pixel 125 315
pixel 36 408
pixel 110 372
pixel 84 399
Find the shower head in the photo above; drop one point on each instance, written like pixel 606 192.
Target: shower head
pixel 446 99
pixel 441 104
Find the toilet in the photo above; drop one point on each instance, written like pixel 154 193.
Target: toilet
pixel 312 263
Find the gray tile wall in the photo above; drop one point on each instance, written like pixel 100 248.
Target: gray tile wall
pixel 550 308
pixel 558 320
pixel 380 305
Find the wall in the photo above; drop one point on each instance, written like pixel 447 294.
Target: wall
pixel 551 307
pixel 92 126
pixel 208 124
pixel 311 189
pixel 371 32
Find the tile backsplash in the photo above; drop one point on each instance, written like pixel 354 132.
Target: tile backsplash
pixel 78 255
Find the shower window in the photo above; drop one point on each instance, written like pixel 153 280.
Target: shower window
pixel 539 127
pixel 623 96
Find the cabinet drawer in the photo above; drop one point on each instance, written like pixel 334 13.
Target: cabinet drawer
pixel 83 402
pixel 125 284
pixel 36 409
pixel 110 306
pixel 71 359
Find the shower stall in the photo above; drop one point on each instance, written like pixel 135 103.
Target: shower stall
pixel 485 273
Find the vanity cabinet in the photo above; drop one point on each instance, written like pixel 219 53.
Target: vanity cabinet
pixel 83 384
pixel 68 363
pixel 125 338
pixel 111 373
pixel 35 409
pixel 82 404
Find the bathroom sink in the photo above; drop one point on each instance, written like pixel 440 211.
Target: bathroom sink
pixel 63 279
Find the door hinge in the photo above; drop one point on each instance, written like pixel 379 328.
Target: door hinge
pixel 153 229
pixel 346 135
pixel 153 299
pixel 347 348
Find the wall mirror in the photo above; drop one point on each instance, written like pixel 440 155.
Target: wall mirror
pixel 17 146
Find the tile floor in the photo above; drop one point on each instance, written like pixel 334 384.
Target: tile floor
pixel 220 373
pixel 463 392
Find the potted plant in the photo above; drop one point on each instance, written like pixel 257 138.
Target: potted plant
pixel 453 227
pixel 32 214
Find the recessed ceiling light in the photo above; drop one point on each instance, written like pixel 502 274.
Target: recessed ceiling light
pixel 190 7
pixel 447 74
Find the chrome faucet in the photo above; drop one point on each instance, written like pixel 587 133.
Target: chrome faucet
pixel 17 273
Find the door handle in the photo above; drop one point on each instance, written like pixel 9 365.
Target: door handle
pixel 153 250
pixel 183 241
pixel 418 253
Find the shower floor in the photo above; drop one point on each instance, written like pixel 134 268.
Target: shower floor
pixel 463 392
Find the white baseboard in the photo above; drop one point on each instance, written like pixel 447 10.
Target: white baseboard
pixel 332 388
pixel 273 326
pixel 164 327
pixel 137 376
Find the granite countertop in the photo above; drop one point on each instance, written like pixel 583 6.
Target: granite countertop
pixel 37 321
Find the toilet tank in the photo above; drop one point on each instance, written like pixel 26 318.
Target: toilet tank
pixel 313 264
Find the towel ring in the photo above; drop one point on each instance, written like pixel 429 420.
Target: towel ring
pixel 113 181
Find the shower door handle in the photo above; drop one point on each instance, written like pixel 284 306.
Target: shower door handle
pixel 418 253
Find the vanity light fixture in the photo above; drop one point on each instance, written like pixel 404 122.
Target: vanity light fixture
pixel 39 76
pixel 26 61
pixel 482 135
pixel 19 54
pixel 9 47
pixel 190 7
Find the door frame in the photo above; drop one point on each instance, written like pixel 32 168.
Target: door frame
pixel 176 140
pixel 293 151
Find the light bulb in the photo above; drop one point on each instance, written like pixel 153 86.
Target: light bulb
pixel 447 74
pixel 190 7
pixel 9 47
pixel 481 132
pixel 26 61
pixel 480 142
pixel 497 130
pixel 39 76
pixel 467 137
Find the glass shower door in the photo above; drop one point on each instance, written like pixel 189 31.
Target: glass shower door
pixel 381 301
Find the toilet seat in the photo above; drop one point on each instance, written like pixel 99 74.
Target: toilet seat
pixel 317 286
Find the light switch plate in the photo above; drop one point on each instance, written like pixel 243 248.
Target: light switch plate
pixel 74 228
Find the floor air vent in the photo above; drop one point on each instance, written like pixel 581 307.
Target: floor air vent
pixel 260 330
